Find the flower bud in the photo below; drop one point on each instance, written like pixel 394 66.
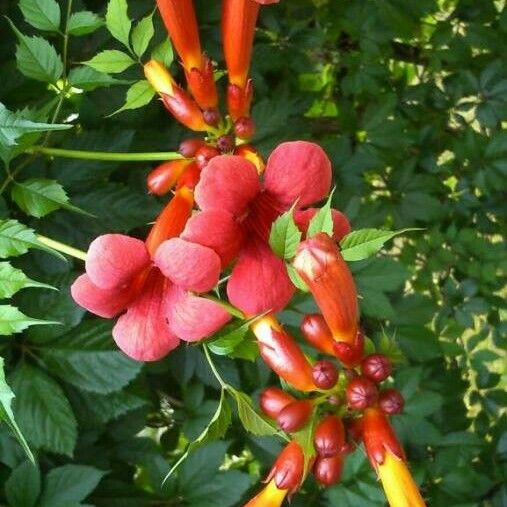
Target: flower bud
pixel 329 437
pixel 248 152
pixel 161 179
pixel 201 83
pixel 204 155
pixel 328 471
pixel 282 354
pixel 171 222
pixel 211 116
pixel 239 100
pixel 295 415
pixel 225 144
pixel 325 374
pixel 350 355
pixel 376 367
pixel 190 177
pixel 273 400
pixel 244 128
pixel 361 393
pixel 391 402
pixel 316 333
pixel 287 471
pixel 321 266
pixel 388 459
pixel 188 147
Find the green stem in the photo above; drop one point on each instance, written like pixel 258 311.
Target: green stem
pixel 221 381
pixel 105 156
pixel 235 312
pixel 62 247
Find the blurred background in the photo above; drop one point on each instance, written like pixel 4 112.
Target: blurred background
pixel 409 99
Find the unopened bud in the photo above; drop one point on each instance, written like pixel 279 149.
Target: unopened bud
pixel 325 374
pixel 317 333
pixel 350 354
pixel 273 400
pixel 164 177
pixel 188 147
pixel 225 144
pixel 295 415
pixel 211 117
pixel 244 128
pixel 391 402
pixel 376 367
pixel 361 393
pixel 328 471
pixel 204 155
pixel 329 436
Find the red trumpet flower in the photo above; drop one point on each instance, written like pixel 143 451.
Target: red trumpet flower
pixel 273 400
pixel 320 264
pixel 125 276
pixel 282 354
pixel 284 478
pixel 174 98
pixel 316 333
pixel 388 459
pixel 165 176
pixel 181 23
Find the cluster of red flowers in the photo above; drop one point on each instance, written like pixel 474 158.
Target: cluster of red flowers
pixel 225 202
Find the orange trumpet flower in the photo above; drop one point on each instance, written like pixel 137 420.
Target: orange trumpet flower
pixel 320 264
pixel 388 459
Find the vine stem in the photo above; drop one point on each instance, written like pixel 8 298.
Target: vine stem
pixel 62 247
pixel 221 381
pixel 105 156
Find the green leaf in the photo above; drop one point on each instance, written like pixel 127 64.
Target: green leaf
pixel 69 485
pixel 138 95
pixel 110 61
pixel 285 236
pixel 83 23
pixel 251 420
pixel 215 430
pixel 142 35
pixel 89 79
pixel 387 346
pixel 86 358
pixel 164 53
pixel 6 414
pixel 13 126
pixel 323 220
pixel 23 486
pixel 13 280
pixel 43 412
pixel 17 239
pixel 117 20
pixel 41 14
pixel 39 197
pixel 36 58
pixel 13 321
pixel 364 243
pixel 229 337
pixel 296 279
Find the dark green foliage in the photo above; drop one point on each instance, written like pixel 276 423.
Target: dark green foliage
pixel 409 99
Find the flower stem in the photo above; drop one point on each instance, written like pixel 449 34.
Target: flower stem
pixel 105 155
pixel 62 247
pixel 221 381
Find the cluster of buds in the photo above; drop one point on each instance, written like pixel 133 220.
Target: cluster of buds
pixel 340 401
pixel 197 107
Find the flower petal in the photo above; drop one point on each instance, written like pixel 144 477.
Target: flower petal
pixel 193 318
pixel 142 333
pixel 341 224
pixel 228 183
pixel 300 171
pixel 105 303
pixel 190 265
pixel 259 281
pixel 114 259
pixel 217 230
